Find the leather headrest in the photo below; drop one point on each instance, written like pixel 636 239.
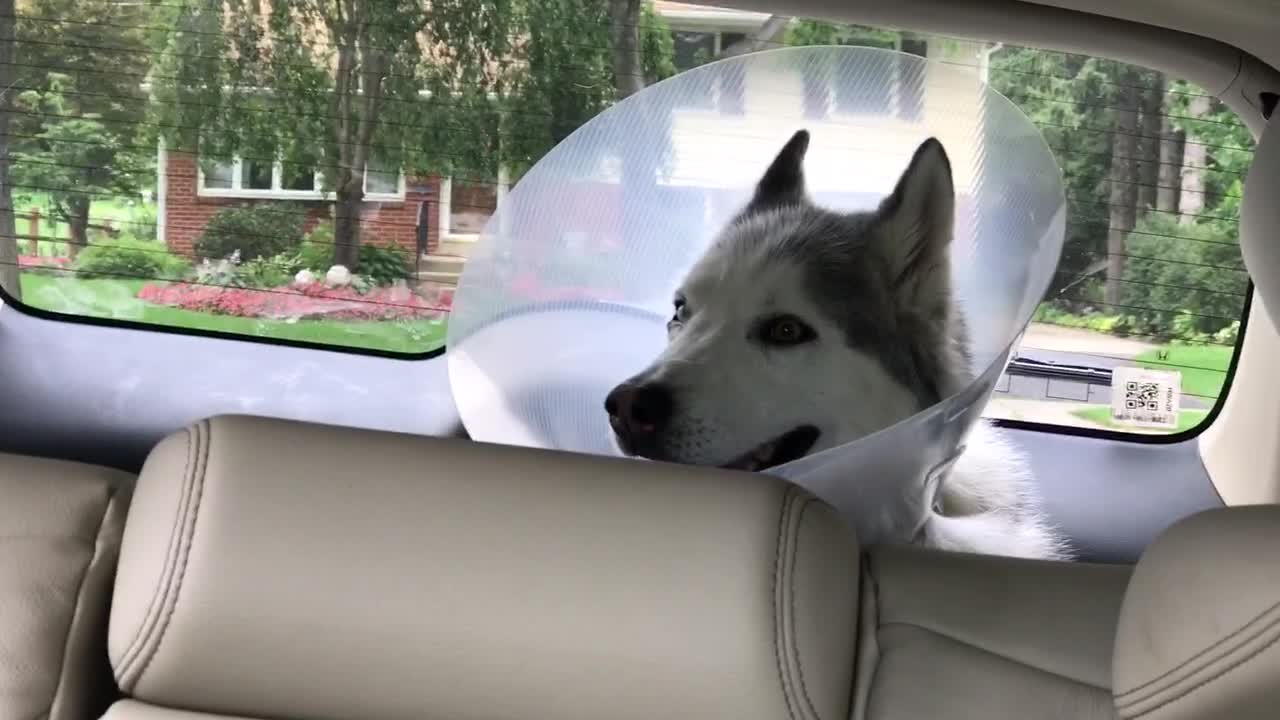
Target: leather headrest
pixel 284 570
pixel 1200 623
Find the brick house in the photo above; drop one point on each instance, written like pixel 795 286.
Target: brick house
pixel 432 216
pixel 438 218
pixel 414 213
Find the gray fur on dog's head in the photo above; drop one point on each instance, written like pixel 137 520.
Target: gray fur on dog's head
pixel 803 318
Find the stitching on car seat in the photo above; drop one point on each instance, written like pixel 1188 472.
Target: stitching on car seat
pixel 161 588
pixel 1129 697
pixel 994 654
pixel 188 531
pixel 1201 653
pixel 795 641
pixel 1214 678
pixel 778 556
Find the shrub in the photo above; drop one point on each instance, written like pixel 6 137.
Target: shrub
pixel 383 266
pixel 130 258
pixel 255 231
pixel 316 254
pixel 1182 280
pixel 144 221
pixel 273 272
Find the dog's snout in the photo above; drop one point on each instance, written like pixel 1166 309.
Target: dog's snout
pixel 638 411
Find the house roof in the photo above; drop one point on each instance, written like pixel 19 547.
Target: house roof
pixel 687 16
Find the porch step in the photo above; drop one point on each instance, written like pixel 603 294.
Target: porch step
pixel 439 278
pixel 459 245
pixel 442 263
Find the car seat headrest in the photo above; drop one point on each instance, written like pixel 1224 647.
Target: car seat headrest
pixel 1199 633
pixel 279 569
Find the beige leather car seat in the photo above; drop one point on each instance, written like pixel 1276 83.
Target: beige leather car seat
pixel 279 570
pixel 969 637
pixel 287 571
pixel 1199 633
pixel 60 526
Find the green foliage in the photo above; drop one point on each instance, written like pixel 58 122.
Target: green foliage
pixel 268 272
pixel 657 46
pixel 128 258
pixel 1184 280
pixel 316 252
pixel 383 266
pixel 144 222
pixel 380 266
pixel 254 231
pixel 73 155
pixel 1110 324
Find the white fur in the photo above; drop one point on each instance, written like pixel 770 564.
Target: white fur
pixel 719 375
pixel 727 392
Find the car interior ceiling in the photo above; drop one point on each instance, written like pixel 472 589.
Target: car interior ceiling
pixel 166 552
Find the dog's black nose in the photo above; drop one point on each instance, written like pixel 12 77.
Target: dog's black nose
pixel 638 411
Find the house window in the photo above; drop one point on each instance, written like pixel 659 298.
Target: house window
pixel 217 175
pixel 249 178
pixel 295 176
pixel 382 179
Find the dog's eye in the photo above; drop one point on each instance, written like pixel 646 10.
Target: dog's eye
pixel 786 330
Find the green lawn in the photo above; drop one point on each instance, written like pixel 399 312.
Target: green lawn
pixel 117 299
pixel 1101 414
pixel 128 217
pixel 1203 367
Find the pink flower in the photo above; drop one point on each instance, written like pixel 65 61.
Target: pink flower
pixel 311 301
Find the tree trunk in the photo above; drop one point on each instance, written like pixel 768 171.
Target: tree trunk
pixel 1195 157
pixel 346 206
pixel 1149 142
pixel 624 30
pixel 1167 199
pixel 78 220
pixel 1124 174
pixel 346 225
pixel 9 273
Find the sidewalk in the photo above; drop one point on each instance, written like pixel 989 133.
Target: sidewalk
pixel 1043 336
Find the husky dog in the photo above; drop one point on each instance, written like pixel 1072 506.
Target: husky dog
pixel 802 329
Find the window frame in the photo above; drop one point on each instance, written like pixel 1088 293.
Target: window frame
pixel 277 191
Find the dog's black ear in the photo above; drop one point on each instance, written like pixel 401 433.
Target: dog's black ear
pixel 783 182
pixel 916 222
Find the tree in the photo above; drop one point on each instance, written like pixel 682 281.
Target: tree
pixel 1195 157
pixel 80 133
pixel 1150 127
pixel 628 66
pixel 342 86
pixel 74 158
pixel 1124 177
pixel 1173 140
pixel 9 271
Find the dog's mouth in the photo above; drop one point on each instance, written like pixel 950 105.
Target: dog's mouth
pixel 781 450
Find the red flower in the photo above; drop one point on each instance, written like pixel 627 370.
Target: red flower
pixel 313 301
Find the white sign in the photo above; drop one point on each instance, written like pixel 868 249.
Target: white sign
pixel 1141 397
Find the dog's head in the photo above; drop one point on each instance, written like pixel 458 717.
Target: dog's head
pixel 802 328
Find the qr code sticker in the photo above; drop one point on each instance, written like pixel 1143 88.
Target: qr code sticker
pixel 1141 397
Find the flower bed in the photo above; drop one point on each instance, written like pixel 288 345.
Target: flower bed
pixel 33 261
pixel 312 301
